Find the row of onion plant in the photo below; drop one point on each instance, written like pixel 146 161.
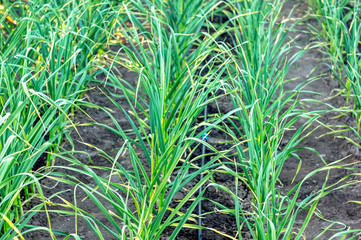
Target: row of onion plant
pixel 178 71
pixel 258 62
pixel 46 54
pixel 339 32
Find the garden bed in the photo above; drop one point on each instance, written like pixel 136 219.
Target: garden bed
pixel 335 207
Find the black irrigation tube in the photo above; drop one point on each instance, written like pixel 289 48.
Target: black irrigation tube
pixel 204 138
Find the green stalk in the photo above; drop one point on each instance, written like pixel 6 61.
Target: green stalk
pixel 45 59
pixel 256 73
pixel 175 79
pixel 339 34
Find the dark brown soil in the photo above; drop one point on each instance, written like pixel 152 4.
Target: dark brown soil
pixel 333 207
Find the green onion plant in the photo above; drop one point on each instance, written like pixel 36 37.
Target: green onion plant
pixel 258 63
pixel 339 33
pixel 177 72
pixel 47 50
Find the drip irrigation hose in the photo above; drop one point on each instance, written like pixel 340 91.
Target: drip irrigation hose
pixel 204 138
